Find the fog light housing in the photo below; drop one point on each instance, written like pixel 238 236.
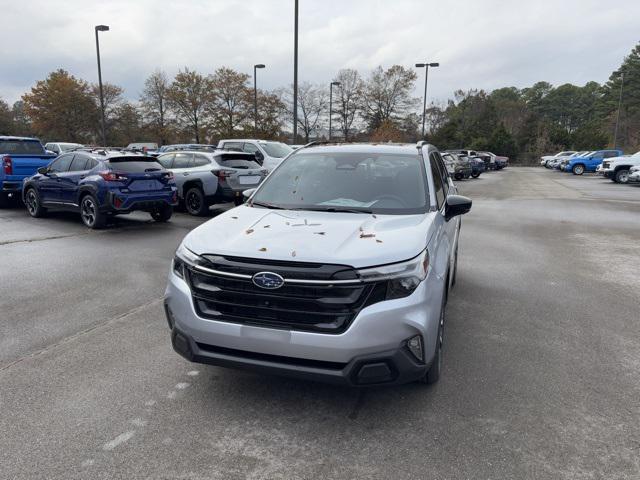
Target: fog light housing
pixel 415 346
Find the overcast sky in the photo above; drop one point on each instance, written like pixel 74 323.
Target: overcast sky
pixel 479 43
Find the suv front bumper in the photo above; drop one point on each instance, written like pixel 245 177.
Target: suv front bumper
pixel 371 351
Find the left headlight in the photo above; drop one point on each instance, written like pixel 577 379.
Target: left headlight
pixel 402 278
pixel 184 257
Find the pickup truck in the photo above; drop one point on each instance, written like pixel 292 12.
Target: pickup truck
pixel 590 162
pixel 20 158
pixel 617 169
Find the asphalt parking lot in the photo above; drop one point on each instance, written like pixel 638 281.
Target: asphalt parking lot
pixel 541 376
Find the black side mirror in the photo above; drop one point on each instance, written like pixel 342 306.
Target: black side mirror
pixel 456 205
pixel 259 157
pixel 43 170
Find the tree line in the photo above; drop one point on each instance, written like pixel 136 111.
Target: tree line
pixel 378 106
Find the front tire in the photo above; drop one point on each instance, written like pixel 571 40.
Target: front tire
pixel 435 370
pixel 622 176
pixel 162 214
pixel 90 212
pixel 195 202
pixel 33 204
pixel 578 169
pixel 475 175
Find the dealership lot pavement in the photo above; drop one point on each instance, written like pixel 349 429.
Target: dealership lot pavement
pixel 541 376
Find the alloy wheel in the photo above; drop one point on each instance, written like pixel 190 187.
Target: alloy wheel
pixel 193 202
pixel 88 211
pixel 32 202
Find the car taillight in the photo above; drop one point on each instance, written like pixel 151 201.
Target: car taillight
pixel 222 174
pixel 112 176
pixel 7 165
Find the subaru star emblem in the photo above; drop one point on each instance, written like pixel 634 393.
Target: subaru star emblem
pixel 268 280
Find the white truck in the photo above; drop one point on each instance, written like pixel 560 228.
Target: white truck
pixel 617 168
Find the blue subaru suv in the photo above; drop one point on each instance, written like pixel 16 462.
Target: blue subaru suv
pixel 99 184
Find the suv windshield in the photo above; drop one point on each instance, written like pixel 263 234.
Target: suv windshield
pixel 276 149
pixel 361 182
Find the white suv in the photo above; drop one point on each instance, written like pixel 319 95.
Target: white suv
pixel 617 169
pixel 269 154
pixel 337 268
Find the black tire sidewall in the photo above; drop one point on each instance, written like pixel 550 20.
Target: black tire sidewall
pixel 203 206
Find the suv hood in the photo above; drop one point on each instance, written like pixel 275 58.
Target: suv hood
pixel 354 239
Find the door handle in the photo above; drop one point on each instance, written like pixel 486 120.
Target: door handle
pixel 185 174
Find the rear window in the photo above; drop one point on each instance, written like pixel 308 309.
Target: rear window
pixel 21 147
pixel 237 161
pixel 134 164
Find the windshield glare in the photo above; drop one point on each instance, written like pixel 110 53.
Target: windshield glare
pixel 369 182
pixel 276 149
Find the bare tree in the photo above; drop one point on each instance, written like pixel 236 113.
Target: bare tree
pixel 348 99
pixel 313 106
pixel 387 95
pixel 232 101
pixel 190 96
pixel 153 101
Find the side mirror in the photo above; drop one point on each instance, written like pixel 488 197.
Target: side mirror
pixel 259 157
pixel 43 170
pixel 456 205
pixel 247 193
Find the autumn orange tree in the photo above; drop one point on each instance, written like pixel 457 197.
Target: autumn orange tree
pixel 61 107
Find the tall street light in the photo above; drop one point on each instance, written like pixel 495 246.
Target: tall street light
pixel 101 28
pixel 255 99
pixel 615 135
pixel 426 78
pixel 295 74
pixel 337 84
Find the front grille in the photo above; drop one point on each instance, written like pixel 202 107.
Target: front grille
pixel 321 308
pixel 605 164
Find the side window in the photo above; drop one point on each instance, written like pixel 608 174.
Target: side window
pixel 443 172
pixel 91 164
pixel 182 160
pixel 610 154
pixel 200 161
pixel 61 164
pixel 78 164
pixel 236 146
pixel 166 160
pixel 437 181
pixel 250 148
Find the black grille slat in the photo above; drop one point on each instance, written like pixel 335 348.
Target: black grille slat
pixel 326 308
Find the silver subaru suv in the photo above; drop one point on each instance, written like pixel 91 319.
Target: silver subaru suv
pixel 337 268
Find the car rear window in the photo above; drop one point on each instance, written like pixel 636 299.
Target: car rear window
pixel 21 147
pixel 237 161
pixel 134 164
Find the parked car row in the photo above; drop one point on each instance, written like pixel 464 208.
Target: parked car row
pixel 100 183
pixel 470 164
pixel 612 164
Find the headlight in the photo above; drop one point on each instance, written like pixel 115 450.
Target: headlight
pixel 402 278
pixel 183 257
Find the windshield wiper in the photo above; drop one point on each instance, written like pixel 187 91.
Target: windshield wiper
pixel 340 210
pixel 267 205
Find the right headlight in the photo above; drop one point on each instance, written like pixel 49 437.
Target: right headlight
pixel 401 278
pixel 184 257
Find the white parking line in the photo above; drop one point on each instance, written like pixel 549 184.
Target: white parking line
pixel 122 438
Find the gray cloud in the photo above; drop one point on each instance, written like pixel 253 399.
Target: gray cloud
pixel 479 43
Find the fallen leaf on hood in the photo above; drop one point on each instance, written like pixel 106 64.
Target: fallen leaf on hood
pixel 367 235
pixel 379 241
pixel 262 249
pixel 249 231
pixel 293 254
pixel 374 215
pixel 266 226
pixel 319 233
pixel 235 218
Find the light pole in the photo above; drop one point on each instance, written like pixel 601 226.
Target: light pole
pixel 337 84
pixel 295 74
pixel 101 28
pixel 615 135
pixel 426 78
pixel 255 99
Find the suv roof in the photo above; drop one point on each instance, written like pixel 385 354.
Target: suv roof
pixel 408 148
